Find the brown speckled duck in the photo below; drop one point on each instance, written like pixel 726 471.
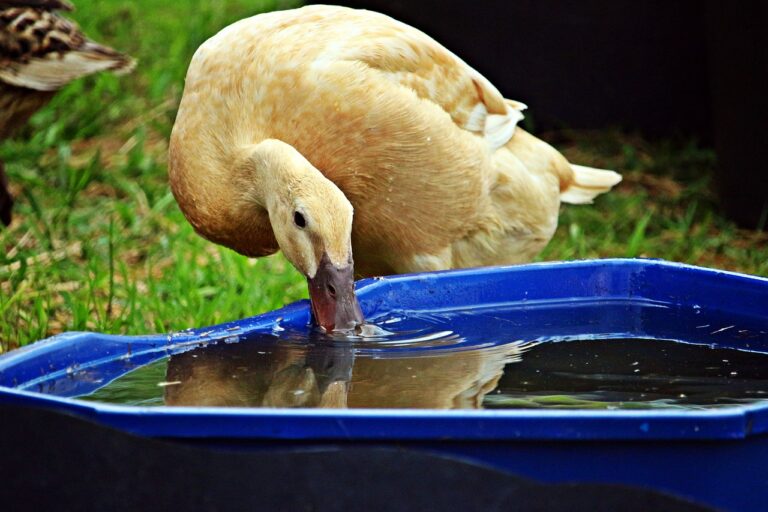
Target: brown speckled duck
pixel 292 120
pixel 40 52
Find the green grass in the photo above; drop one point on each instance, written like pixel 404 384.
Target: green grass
pixel 98 242
pixel 664 208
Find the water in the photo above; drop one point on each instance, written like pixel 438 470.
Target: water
pixel 463 360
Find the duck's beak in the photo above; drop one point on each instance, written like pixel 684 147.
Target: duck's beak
pixel 332 293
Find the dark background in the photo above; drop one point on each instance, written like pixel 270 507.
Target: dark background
pixel 686 67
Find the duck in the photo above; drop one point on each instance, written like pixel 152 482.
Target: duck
pixel 327 132
pixel 41 52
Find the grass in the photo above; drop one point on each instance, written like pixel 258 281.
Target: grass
pixel 98 242
pixel 664 208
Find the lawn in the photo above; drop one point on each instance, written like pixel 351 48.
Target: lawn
pixel 98 242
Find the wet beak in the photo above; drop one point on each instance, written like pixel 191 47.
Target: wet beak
pixel 332 293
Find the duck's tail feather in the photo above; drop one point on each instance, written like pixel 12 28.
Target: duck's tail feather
pixel 54 53
pixel 118 62
pixel 587 184
pixel 53 72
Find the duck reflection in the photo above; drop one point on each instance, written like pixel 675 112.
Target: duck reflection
pixel 265 372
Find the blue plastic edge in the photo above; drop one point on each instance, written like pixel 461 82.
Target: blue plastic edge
pixel 618 278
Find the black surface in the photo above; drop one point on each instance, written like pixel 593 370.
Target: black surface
pixel 43 4
pixel 738 34
pixel 54 461
pixel 586 64
pixel 6 200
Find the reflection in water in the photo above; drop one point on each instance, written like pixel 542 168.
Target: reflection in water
pixel 266 373
pixel 461 359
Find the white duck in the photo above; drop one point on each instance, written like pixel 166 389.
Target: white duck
pixel 291 119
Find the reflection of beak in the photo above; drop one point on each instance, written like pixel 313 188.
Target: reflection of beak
pixel 332 292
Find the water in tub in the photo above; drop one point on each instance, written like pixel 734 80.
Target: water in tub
pixel 461 360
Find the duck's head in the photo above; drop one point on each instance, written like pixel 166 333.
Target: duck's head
pixel 312 222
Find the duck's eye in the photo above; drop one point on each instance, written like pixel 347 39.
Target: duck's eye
pixel 299 220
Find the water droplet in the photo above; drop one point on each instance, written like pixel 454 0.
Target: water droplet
pixel 171 383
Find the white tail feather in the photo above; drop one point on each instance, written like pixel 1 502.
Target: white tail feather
pixel 588 183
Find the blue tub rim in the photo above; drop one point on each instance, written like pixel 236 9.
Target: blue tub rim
pixel 733 423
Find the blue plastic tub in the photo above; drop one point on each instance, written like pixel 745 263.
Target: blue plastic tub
pixel 716 457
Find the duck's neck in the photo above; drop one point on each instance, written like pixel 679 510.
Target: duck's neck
pixel 273 167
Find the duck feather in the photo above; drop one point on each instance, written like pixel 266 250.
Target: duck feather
pixel 43 51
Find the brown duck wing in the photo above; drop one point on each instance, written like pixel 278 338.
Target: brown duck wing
pixel 412 59
pixel 42 51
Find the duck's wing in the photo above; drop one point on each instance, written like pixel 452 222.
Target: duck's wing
pixel 42 51
pixel 413 59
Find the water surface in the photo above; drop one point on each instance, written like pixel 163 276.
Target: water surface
pixel 464 360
